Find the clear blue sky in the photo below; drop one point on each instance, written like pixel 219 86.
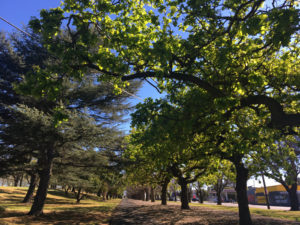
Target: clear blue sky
pixel 19 12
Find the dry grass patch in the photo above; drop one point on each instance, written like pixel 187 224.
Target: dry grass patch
pixel 274 213
pixel 59 209
pixel 132 212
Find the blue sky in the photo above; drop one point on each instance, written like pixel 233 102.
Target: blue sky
pixel 19 12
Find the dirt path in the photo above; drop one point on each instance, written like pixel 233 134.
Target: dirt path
pixel 135 212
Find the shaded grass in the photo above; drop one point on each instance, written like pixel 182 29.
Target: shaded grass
pixel 282 214
pixel 144 213
pixel 59 209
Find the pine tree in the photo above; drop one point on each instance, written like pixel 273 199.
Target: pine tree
pixel 83 116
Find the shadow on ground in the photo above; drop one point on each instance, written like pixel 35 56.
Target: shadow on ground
pixel 132 212
pixel 65 217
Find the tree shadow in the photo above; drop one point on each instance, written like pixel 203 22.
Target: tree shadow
pixel 14 199
pixel 91 215
pixel 86 209
pixel 147 214
pixel 73 217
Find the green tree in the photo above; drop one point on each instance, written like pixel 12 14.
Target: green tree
pixel 280 161
pixel 163 131
pixel 222 174
pixel 40 128
pixel 142 168
pixel 234 56
pixel 77 169
pixel 242 54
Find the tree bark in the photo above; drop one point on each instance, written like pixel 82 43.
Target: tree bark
pixel 219 198
pixel 30 191
pixel 190 195
pixel 152 196
pixel 44 174
pixel 219 189
pixel 21 180
pixel 266 191
pixel 241 190
pixel 184 195
pixel 144 195
pixel 294 201
pixel 201 196
pixel 16 180
pixel 99 193
pixel 164 192
pixel 104 193
pixel 67 190
pixel 147 194
pixel 78 196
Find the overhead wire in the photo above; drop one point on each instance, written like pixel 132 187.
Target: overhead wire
pixel 133 95
pixel 26 33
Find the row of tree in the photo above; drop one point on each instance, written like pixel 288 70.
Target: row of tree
pixel 78 144
pixel 230 69
pixel 159 151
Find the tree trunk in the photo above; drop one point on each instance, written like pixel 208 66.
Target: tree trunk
pixel 164 192
pixel 201 196
pixel 144 195
pixel 190 195
pixel 104 193
pixel 293 197
pixel 21 180
pixel 16 180
pixel 219 189
pixel 78 196
pixel 40 197
pixel 219 197
pixel 30 191
pixel 266 191
pixel 147 194
pixel 67 188
pixel 184 195
pixel 241 190
pixel 152 196
pixel 99 193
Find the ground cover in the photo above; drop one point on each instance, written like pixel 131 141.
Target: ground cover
pixel 59 209
pixel 283 214
pixel 131 212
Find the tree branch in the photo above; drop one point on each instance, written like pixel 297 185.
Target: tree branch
pixel 179 76
pixel 279 118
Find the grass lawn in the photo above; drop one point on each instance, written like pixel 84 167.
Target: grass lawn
pixel 290 215
pixel 58 209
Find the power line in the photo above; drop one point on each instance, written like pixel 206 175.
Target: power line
pixel 24 32
pixel 133 95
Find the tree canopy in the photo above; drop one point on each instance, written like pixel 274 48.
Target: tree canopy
pixel 230 70
pixel 243 54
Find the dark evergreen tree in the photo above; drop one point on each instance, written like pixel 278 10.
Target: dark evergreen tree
pixel 47 128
